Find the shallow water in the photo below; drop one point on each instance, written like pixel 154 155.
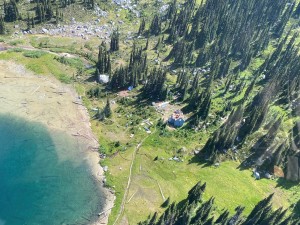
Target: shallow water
pixel 43 177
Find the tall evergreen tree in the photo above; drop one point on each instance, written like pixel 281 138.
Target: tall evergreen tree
pixel 103 65
pixel 2 26
pixel 114 41
pixel 11 12
pixel 155 27
pixel 142 27
pixel 107 109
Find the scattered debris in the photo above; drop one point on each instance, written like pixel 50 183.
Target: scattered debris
pixel 160 105
pixel 148 131
pixel 196 152
pixel 278 172
pixel 105 168
pixel 256 175
pixel 102 155
pixel 268 176
pixel 147 122
pixel 175 158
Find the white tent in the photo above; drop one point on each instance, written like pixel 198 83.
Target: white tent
pixel 103 79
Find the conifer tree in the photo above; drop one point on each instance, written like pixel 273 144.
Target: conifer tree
pixel 2 26
pixel 56 15
pixel 114 41
pixel 107 109
pixel 32 22
pixel 155 85
pixel 39 12
pixel 147 44
pixel 142 27
pixel 155 27
pixel 28 22
pixel 49 11
pixel 296 13
pixel 103 65
pixel 11 12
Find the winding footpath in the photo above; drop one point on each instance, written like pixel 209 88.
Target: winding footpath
pixel 130 177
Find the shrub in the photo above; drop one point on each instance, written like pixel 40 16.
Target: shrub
pixel 74 62
pixel 34 54
pixel 15 50
pixel 16 42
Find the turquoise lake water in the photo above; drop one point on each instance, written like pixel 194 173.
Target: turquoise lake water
pixel 43 178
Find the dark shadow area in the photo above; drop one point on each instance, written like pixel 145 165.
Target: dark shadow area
pixel 283 183
pixel 296 210
pixel 200 160
pixel 239 102
pixel 90 79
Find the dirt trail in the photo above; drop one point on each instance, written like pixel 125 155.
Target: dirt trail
pixel 122 207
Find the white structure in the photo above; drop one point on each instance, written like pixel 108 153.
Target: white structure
pixel 103 79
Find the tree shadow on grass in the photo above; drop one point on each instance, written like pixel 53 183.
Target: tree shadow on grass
pixel 243 166
pixel 200 160
pixel 90 79
pixel 286 184
pixel 296 210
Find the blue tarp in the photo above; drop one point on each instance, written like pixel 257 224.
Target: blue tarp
pixel 130 88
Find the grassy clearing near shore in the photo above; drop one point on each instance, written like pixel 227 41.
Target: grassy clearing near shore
pixel 227 184
pixel 41 63
pixel 230 186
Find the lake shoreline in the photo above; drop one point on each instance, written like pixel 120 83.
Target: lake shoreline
pixel 45 100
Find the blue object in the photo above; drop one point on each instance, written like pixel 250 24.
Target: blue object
pixel 130 88
pixel 176 123
pixel 257 175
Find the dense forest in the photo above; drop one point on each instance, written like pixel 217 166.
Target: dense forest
pixel 213 45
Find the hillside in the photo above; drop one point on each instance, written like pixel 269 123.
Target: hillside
pixel 231 68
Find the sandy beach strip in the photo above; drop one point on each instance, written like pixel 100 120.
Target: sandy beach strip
pixel 45 100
